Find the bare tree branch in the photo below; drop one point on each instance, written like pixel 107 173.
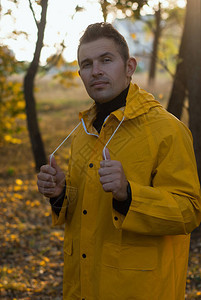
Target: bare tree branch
pixel 32 10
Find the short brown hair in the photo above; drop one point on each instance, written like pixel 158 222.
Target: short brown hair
pixel 105 30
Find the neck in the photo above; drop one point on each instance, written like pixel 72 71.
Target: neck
pixel 104 109
pixel 115 103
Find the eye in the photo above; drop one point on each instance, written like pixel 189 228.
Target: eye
pixel 86 65
pixel 106 59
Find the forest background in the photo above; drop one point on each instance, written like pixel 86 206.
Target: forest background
pixel 39 103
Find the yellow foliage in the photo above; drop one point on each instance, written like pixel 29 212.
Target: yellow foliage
pixel 46 259
pixel 21 104
pixel 73 63
pixel 12 140
pixel 14 237
pixel 42 263
pixel 47 214
pixel 17 188
pixel 18 196
pixel 12 102
pixel 35 203
pixel 19 181
pixel 67 77
pixel 22 116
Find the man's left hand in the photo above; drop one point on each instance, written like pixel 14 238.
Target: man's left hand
pixel 112 177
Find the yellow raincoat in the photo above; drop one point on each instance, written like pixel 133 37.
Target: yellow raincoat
pixel 143 255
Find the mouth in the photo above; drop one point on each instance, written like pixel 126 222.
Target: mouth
pixel 99 84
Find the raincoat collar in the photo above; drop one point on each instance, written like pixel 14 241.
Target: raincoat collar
pixel 138 102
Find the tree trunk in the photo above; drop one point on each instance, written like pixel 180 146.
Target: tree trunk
pixel 32 122
pixel 188 75
pixel 157 34
pixel 178 93
pixel 193 71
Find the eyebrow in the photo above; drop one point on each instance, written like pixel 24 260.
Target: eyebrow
pixel 106 54
pixel 100 56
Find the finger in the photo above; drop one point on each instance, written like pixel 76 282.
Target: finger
pixel 106 154
pixel 106 170
pixel 46 177
pixel 108 187
pixel 106 179
pixel 47 169
pixel 47 192
pixel 52 161
pixel 46 184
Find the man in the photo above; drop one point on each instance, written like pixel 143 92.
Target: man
pixel 132 195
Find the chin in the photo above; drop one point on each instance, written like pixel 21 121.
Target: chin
pixel 102 98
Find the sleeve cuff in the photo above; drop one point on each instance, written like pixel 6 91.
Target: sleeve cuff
pixel 57 202
pixel 123 206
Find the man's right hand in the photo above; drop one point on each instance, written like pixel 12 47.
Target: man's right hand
pixel 51 180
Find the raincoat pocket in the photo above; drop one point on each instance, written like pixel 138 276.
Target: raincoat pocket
pixel 128 272
pixel 129 257
pixel 138 258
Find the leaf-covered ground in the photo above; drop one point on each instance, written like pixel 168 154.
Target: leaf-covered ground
pixel 31 250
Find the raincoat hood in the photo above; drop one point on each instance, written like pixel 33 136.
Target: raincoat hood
pixel 138 102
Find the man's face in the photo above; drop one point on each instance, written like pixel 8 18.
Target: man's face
pixel 103 70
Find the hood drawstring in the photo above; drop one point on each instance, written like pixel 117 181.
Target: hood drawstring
pixel 83 124
pixel 111 138
pixel 85 129
pixel 63 142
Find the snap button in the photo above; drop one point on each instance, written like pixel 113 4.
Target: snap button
pixel 91 165
pixel 84 211
pixel 84 255
pixel 116 218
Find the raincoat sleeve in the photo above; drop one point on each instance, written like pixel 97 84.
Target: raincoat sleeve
pixel 60 219
pixel 171 205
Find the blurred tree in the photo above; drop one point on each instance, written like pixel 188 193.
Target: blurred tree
pixel 12 104
pixel 34 132
pixel 164 18
pixel 31 71
pixel 170 40
pixel 65 72
pixel 157 31
pixel 104 7
pixel 161 17
pixel 187 81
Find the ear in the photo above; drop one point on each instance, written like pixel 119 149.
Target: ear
pixel 131 66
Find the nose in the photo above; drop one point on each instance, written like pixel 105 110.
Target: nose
pixel 96 70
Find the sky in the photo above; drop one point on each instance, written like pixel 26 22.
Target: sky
pixel 60 26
